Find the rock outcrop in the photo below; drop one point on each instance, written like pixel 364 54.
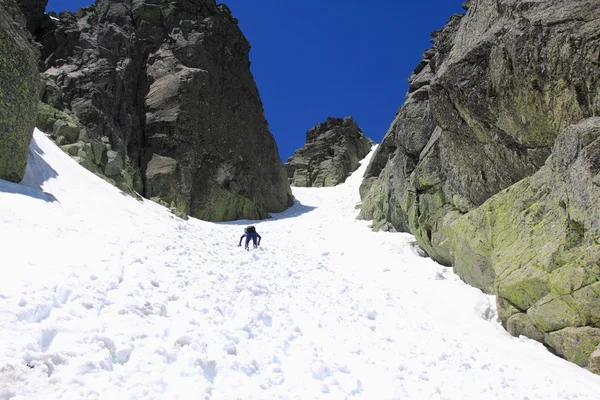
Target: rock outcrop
pixel 20 83
pixel 331 153
pixel 536 245
pixel 158 97
pixel 484 109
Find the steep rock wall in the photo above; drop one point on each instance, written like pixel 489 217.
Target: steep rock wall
pixel 167 105
pixel 536 245
pixel 484 109
pixel 20 85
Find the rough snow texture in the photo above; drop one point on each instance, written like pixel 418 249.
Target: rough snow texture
pixel 103 296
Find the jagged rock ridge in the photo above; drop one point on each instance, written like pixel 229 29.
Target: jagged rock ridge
pixel 331 153
pixel 484 110
pixel 158 97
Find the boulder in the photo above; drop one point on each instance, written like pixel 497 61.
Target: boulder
pixel 332 151
pixel 595 361
pixel 20 83
pixel 57 124
pixel 575 344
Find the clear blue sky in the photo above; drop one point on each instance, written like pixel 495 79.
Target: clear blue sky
pixel 317 58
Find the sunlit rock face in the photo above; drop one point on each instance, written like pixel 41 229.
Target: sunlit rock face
pixel 484 110
pixel 167 105
pixel 332 151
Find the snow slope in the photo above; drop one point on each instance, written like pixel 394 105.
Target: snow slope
pixel 103 296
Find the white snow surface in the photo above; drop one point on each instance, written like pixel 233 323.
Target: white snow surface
pixel 106 297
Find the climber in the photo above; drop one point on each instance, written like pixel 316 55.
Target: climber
pixel 250 234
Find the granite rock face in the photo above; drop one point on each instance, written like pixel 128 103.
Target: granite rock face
pixel 536 245
pixel 331 153
pixel 20 84
pixel 484 110
pixel 164 97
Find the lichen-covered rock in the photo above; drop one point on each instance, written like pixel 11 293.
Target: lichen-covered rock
pixel 459 165
pixel 114 164
pixel 522 324
pixel 168 79
pixel 20 84
pixel 57 124
pixel 595 361
pixel 331 153
pixel 497 87
pixel 536 245
pixel 575 344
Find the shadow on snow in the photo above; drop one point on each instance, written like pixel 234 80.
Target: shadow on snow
pixel 294 211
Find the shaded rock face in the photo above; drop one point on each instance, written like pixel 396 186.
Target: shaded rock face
pixel 536 245
pixel 20 83
pixel 164 91
pixel 331 153
pixel 34 12
pixel 484 110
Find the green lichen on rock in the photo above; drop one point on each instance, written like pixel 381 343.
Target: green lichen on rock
pixel 57 124
pixel 19 92
pixel 517 236
pixel 581 271
pixel 587 301
pixel 555 312
pixel 522 324
pixel 375 205
pixel 222 205
pixel 536 110
pixel 426 219
pixel 505 309
pixel 575 344
pixel 493 97
pixel 535 246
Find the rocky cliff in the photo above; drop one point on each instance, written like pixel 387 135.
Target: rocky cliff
pixel 331 153
pixel 536 245
pixel 157 96
pixel 20 85
pixel 484 109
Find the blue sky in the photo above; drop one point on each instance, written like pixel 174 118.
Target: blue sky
pixel 312 59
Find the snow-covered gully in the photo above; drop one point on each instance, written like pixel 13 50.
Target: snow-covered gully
pixel 103 296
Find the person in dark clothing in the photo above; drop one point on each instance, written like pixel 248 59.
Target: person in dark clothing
pixel 250 234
